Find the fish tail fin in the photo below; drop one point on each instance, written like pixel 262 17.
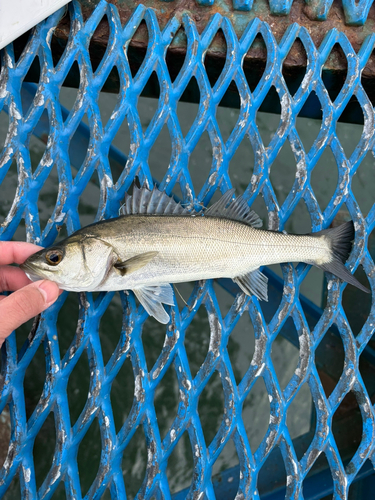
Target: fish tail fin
pixel 340 240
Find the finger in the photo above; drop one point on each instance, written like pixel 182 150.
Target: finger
pixel 16 251
pixel 24 304
pixel 12 278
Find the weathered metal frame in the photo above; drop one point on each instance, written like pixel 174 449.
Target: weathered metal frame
pixel 20 460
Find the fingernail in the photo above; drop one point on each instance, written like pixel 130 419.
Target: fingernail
pixel 48 290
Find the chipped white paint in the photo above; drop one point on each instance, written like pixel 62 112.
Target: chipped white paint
pixel 27 474
pixel 173 435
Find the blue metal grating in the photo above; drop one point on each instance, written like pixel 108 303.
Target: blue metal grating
pixel 98 405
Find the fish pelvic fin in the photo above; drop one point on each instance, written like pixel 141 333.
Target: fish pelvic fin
pixel 254 283
pixel 134 263
pixel 340 241
pixel 152 298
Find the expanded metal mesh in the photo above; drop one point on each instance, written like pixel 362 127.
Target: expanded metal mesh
pixel 19 461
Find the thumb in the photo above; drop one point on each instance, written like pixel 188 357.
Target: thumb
pixel 24 304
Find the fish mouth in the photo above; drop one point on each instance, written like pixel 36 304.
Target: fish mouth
pixel 31 271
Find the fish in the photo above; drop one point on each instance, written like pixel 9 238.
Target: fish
pixel 156 242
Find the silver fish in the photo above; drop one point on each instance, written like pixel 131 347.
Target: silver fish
pixel 155 242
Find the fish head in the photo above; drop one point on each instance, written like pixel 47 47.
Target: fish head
pixel 75 264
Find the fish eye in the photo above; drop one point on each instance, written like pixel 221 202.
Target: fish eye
pixel 54 257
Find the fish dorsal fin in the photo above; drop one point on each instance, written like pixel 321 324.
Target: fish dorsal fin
pixel 152 298
pixel 155 202
pixel 236 209
pixel 254 283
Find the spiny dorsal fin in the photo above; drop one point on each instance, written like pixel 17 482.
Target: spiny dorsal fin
pixel 237 210
pixel 152 298
pixel 155 202
pixel 254 283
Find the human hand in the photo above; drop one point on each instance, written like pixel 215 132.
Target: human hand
pixel 29 299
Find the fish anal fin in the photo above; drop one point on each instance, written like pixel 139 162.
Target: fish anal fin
pixel 134 263
pixel 152 298
pixel 254 283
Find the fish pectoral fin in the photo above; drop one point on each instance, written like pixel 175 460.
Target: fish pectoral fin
pixel 134 263
pixel 152 297
pixel 254 283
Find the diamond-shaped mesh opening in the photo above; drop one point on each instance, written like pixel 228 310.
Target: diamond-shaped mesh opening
pixel 294 67
pixel 256 412
pixel 69 97
pixel 4 125
pixel 357 315
pixel 175 58
pixel 134 463
pixel 78 157
pixel 43 450
pixel 321 472
pixel 228 459
pixel 308 129
pixel 241 344
pixel 68 322
pixel 254 70
pixel 284 348
pixel 8 190
pixel 122 392
pixel 78 387
pixel 105 100
pixel 324 178
pixel 5 430
pixel 200 161
pixel 88 457
pixel 283 172
pixel 333 84
pixel 241 168
pixel 137 47
pixel 363 185
pixel 274 463
pixel 349 135
pixel 35 379
pixel 329 360
pixel 231 99
pixel 215 57
pixel 153 336
pixel 211 407
pixel 180 465
pixel 89 201
pixel 160 154
pixel 58 44
pixel 166 401
pixel 197 339
pixel 267 124
pixel 100 36
pixel 33 75
pixel 347 411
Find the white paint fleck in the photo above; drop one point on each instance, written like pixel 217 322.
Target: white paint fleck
pixel 173 435
pixel 27 474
